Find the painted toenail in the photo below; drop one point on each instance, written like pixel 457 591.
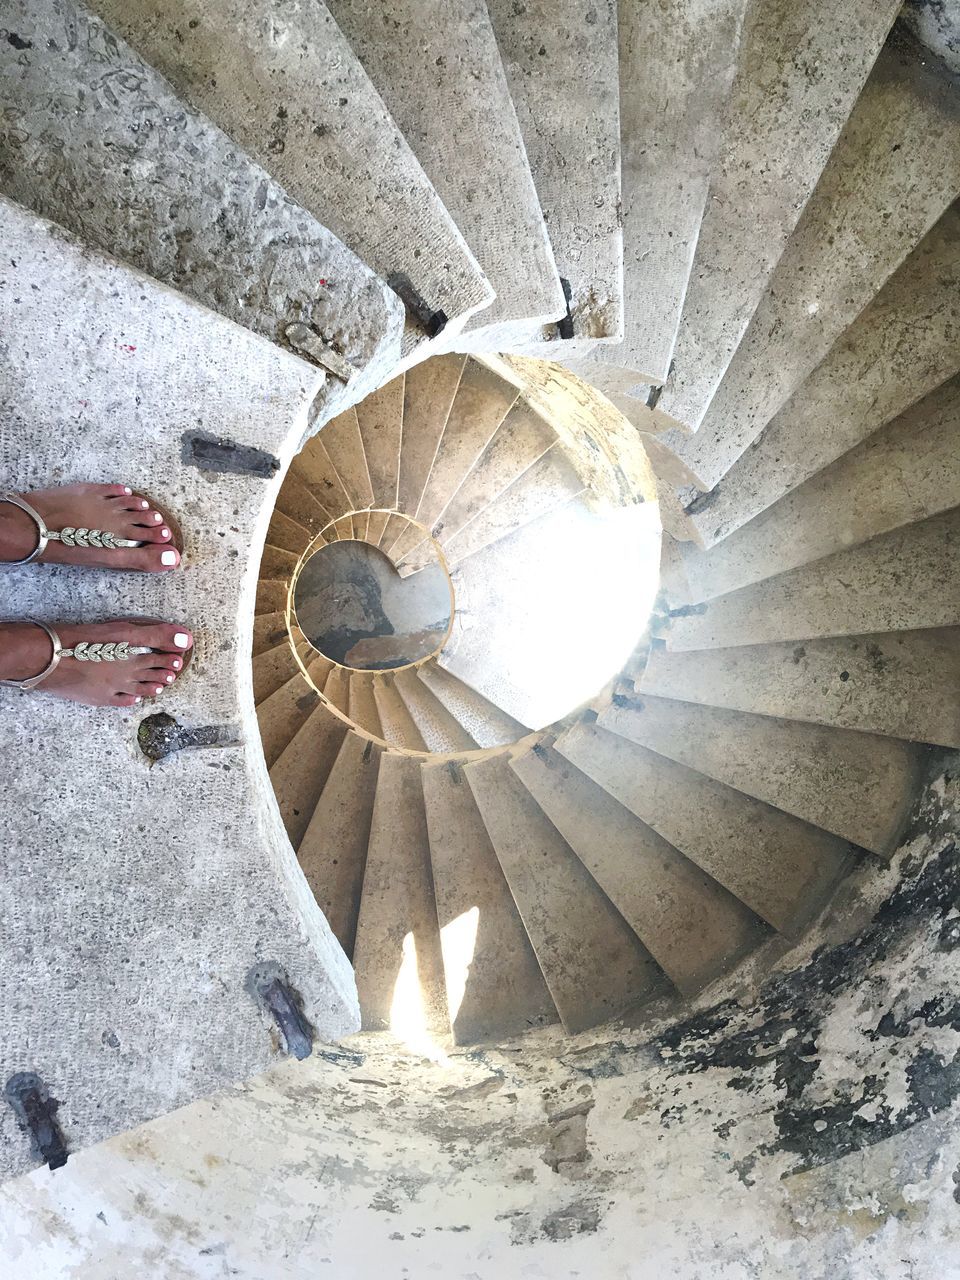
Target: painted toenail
pixel 177 663
pixel 138 699
pixel 157 516
pixel 181 640
pixel 158 691
pixel 164 533
pixel 127 489
pixel 168 557
pixel 144 505
pixel 171 678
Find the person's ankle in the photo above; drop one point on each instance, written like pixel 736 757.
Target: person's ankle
pixel 25 650
pixel 18 533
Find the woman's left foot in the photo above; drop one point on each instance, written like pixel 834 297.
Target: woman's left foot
pixel 114 508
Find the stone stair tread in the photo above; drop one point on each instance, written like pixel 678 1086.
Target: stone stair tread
pixel 298 502
pixel 273 669
pixel 362 706
pixel 855 785
pixel 429 391
pixel 780 867
pixel 284 711
pixel 521 439
pixel 303 106
pixel 344 446
pixel 435 62
pixel 547 47
pixel 873 683
pixel 397 924
pixel 271 596
pixel 108 933
pixel 905 472
pixel 315 468
pixel 486 724
pixel 439 730
pixel 904 580
pixel 287 534
pixel 399 727
pixel 593 962
pixel 482 402
pixel 186 206
pixel 693 928
pixel 899 349
pixel 677 62
pixel 892 174
pixel 300 772
pixel 782 125
pixel 269 630
pixel 333 850
pixel 380 418
pixel 336 688
pixel 495 988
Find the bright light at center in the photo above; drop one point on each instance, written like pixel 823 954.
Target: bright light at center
pixel 458 939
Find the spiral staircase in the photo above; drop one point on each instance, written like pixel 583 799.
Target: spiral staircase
pixel 515 348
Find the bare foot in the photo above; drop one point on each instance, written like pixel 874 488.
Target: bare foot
pixel 25 650
pixel 113 507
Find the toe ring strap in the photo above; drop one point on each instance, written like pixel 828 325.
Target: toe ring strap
pixel 69 536
pixel 82 651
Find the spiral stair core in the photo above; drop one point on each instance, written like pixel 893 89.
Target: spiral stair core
pixel 673 407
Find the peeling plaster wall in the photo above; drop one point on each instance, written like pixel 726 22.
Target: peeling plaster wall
pixel 805 1126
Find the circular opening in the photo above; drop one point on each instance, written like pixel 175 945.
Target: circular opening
pixel 354 607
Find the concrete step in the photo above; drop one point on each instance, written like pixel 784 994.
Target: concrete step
pixel 376 526
pixel 429 391
pixel 437 727
pixel 380 418
pixel 297 501
pixel 284 711
pixel 362 706
pixel 551 482
pixel 495 988
pixel 796 83
pixel 873 683
pixel 856 785
pixel 128 936
pixel 780 867
pixel 693 928
pixel 677 61
pixel 560 58
pixel 288 89
pixel 333 851
pixel 900 581
pixel 344 446
pixel 287 533
pixel 271 596
pixel 269 630
pixel 519 441
pixel 437 67
pixel 315 469
pixel 482 402
pixel 486 724
pixel 397 958
pixel 564 623
pixel 892 174
pixel 104 146
pixel 274 668
pixel 396 722
pixel 277 563
pixel 900 348
pixel 905 472
pixel 300 772
pixel 336 689
pixel 593 962
pixel 343 529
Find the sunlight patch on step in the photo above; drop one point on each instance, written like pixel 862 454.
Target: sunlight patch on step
pixel 458 940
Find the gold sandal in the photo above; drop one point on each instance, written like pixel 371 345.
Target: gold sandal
pixel 83 651
pixel 69 536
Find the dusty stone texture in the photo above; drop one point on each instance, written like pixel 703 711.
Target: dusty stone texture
pixel 562 72
pixel 380 419
pixel 437 67
pixel 398 725
pixel 283 82
pixel 906 683
pixel 592 961
pixel 300 773
pixel 893 172
pixel 906 471
pixel 565 623
pixel 97 140
pixel 123 922
pixel 900 348
pixel 428 392
pixel 856 785
pixel 780 867
pixel 439 729
pixel 486 724
pixel 937 24
pixel 797 81
pixel 677 62
pixel 690 924
pixel 904 580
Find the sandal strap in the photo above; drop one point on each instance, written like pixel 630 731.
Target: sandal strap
pixel 82 651
pixel 69 536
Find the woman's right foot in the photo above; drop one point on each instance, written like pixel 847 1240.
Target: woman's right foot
pixel 26 650
pixel 115 508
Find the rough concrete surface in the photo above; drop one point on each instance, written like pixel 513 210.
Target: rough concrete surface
pixel 128 931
